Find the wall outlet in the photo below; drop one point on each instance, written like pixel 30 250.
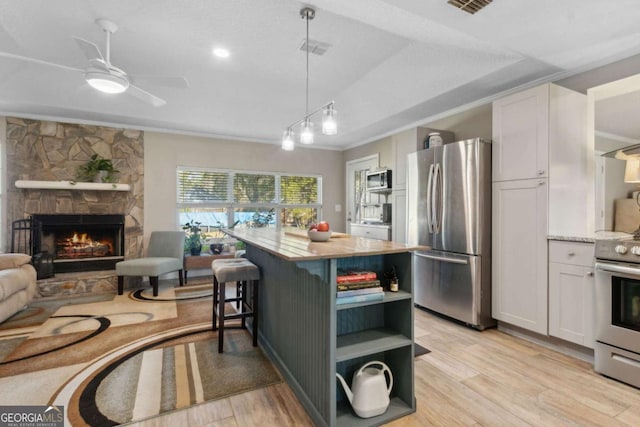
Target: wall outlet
pixel 338 208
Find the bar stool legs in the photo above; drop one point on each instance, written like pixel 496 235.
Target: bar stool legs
pixel 246 275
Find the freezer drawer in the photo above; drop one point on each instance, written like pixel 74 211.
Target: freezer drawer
pixel 449 284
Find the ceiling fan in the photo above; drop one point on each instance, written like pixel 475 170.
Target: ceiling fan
pixel 104 76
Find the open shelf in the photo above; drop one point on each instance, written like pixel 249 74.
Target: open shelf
pixel 346 417
pixel 388 297
pixel 367 342
pixel 72 185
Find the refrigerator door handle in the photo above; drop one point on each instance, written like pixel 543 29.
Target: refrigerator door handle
pixel 437 199
pixel 442 258
pixel 430 199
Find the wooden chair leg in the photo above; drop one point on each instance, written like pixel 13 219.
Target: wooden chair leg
pixel 221 318
pixel 154 284
pixel 241 292
pixel 120 285
pixel 180 272
pixel 254 309
pixel 214 323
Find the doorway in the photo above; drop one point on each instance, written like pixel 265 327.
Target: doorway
pixel 356 188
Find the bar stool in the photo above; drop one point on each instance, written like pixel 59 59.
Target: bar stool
pixel 244 272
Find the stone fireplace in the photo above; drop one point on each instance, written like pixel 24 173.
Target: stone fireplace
pixel 51 151
pixel 80 242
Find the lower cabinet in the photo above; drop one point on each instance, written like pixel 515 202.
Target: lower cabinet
pixel 372 231
pixel 571 292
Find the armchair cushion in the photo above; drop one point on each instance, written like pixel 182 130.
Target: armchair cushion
pixel 12 260
pixel 153 266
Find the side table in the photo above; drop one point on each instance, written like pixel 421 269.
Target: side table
pixel 202 261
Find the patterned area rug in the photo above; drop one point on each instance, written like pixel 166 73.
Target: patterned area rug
pixel 112 362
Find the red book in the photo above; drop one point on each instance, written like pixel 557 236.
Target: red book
pixel 355 276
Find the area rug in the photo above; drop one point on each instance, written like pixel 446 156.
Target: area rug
pixel 113 362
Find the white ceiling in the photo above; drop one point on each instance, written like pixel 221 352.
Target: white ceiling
pixel 391 63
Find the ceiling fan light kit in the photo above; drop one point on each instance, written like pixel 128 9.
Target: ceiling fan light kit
pixel 105 82
pixel 329 123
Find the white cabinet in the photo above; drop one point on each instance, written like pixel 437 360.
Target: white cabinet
pixel 399 216
pixel 520 134
pixel 542 185
pixel 571 292
pixel 542 133
pixel 380 232
pixel 519 255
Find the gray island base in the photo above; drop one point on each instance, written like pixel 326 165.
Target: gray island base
pixel 310 338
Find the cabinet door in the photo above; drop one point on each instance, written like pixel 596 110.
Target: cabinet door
pixel 399 216
pixel 520 135
pixel 571 312
pixel 519 253
pixel 403 144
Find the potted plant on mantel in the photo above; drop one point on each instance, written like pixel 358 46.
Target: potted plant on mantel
pixel 193 239
pixel 97 169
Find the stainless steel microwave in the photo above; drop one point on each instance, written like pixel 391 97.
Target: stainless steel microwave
pixel 379 180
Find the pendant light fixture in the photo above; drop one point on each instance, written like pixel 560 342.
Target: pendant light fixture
pixel 329 123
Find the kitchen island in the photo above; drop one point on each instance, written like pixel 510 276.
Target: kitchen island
pixel 311 338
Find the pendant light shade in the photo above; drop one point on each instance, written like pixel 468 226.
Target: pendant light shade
pixel 329 124
pixel 306 132
pixel 287 140
pixel 632 170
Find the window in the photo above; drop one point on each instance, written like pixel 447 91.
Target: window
pixel 220 198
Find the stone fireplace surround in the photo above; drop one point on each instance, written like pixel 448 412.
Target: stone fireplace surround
pixel 51 151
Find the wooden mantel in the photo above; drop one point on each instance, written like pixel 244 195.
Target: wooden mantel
pixel 72 185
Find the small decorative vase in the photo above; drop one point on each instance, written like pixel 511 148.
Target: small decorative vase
pixel 195 250
pixel 101 176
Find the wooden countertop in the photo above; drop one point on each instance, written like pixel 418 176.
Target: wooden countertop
pixel 294 247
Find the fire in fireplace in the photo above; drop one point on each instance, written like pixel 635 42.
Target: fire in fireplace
pixel 80 242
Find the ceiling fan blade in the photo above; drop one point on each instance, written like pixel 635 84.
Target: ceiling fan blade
pixel 175 82
pixel 37 61
pixel 146 96
pixel 90 50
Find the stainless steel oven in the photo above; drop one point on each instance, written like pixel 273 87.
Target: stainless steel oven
pixel 617 347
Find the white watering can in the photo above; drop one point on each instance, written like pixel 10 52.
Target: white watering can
pixel 370 394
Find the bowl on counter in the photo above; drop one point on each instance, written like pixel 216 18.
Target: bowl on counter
pixel 318 236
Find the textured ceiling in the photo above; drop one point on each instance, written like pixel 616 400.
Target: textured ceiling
pixel 390 64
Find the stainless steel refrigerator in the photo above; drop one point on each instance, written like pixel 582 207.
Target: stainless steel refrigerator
pixel 449 210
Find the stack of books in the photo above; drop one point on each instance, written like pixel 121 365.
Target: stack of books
pixel 356 285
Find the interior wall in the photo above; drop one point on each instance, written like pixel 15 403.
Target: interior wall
pixel 383 147
pixel 164 153
pixel 3 192
pixel 472 123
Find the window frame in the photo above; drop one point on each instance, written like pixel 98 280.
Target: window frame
pixel 231 205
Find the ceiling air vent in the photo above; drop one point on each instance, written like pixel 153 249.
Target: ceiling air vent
pixel 315 47
pixel 470 6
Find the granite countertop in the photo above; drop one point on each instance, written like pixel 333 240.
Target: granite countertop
pixel 294 245
pixel 591 238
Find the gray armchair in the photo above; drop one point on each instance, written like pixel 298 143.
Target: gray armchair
pixel 165 255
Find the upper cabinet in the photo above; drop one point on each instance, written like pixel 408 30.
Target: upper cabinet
pixel 542 133
pixel 520 135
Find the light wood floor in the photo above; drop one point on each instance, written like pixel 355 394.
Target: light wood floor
pixel 470 378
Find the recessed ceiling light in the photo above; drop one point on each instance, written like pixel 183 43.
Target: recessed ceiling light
pixel 221 52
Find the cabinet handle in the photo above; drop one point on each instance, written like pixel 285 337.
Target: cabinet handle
pixel 590 274
pixel 540 172
pixel 540 182
pixel 571 254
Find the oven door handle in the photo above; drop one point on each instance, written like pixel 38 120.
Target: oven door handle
pixel 613 268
